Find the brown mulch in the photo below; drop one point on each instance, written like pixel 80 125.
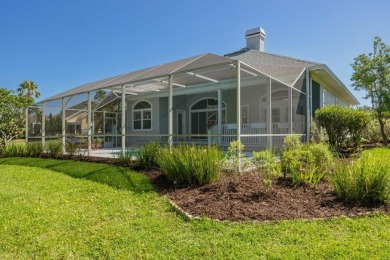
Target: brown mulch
pixel 243 199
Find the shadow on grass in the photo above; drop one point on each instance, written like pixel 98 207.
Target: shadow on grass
pixel 113 176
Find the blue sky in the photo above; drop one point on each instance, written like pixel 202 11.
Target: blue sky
pixel 62 44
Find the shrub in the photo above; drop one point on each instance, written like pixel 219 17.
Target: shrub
pixel 343 125
pixel 34 149
pixel 190 165
pixel 53 148
pixel 307 164
pixel 148 154
pixel 71 147
pixel 291 142
pixel 271 168
pixel 366 180
pixel 15 148
pixel 233 156
pixel 373 132
pixel 317 134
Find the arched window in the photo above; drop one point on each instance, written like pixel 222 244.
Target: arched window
pixel 204 115
pixel 142 116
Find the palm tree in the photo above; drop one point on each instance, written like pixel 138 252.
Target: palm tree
pixel 28 88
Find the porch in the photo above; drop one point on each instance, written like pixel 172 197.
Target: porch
pixel 206 100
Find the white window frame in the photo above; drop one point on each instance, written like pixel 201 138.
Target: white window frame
pixel 142 116
pixel 205 110
pixel 75 124
pixel 247 114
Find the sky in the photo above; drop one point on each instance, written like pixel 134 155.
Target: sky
pixel 60 44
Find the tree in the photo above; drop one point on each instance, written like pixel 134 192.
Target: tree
pixel 29 89
pixel 372 73
pixel 12 119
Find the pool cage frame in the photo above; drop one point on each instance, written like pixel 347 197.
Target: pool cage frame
pixel 166 83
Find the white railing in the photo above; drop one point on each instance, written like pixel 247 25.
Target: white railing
pixel 229 132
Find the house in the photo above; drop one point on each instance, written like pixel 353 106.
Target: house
pixel 248 95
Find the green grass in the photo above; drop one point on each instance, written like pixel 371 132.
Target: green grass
pixel 67 209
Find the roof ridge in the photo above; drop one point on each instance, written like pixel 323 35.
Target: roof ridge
pixel 288 57
pixel 195 58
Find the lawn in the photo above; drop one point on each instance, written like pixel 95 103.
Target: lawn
pixel 66 209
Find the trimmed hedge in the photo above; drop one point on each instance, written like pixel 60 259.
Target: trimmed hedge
pixel 344 126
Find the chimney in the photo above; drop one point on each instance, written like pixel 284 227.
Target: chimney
pixel 255 39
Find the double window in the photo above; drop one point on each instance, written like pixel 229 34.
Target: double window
pixel 142 116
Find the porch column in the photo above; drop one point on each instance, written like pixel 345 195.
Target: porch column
pixel 308 111
pixel 239 110
pixel 219 115
pixel 26 114
pixel 63 126
pixel 290 114
pixel 43 122
pixel 170 111
pixel 123 126
pixel 89 123
pixel 269 114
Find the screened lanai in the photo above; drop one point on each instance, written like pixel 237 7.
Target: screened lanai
pixel 205 100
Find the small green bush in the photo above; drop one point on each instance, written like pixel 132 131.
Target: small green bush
pixel 373 133
pixel 34 149
pixel 291 142
pixel 344 126
pixel 271 168
pixel 233 156
pixel 190 165
pixel 53 148
pixel 148 154
pixel 317 134
pixel 308 164
pixel 15 148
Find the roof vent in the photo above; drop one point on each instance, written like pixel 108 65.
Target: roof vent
pixel 255 39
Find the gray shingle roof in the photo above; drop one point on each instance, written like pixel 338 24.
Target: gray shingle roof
pixel 285 69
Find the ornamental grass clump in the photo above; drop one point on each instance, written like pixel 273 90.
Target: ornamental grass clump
pixel 190 165
pixel 71 147
pixel 148 154
pixel 34 149
pixel 15 148
pixel 366 180
pixel 53 148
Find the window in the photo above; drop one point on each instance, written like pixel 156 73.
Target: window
pixel 142 116
pixel 73 128
pixel 244 114
pixel 204 116
pixel 275 115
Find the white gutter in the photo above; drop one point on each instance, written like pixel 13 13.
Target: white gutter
pixel 326 68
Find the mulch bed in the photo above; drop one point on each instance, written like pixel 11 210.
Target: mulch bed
pixel 243 199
